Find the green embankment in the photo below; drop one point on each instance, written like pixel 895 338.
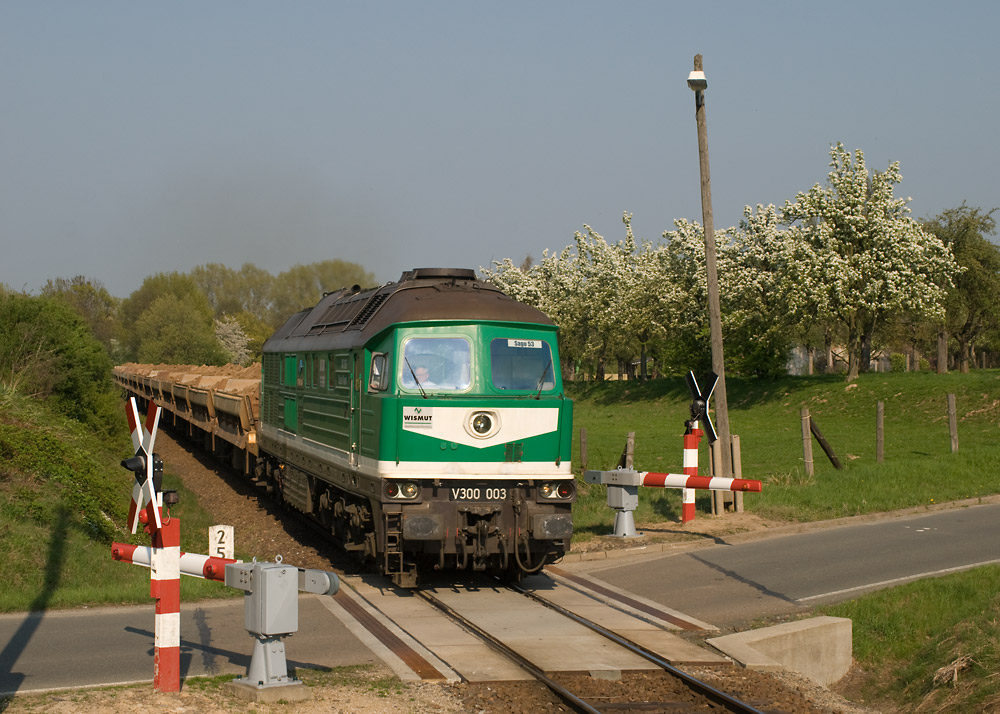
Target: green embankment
pixel 63 500
pixel 929 646
pixel 919 467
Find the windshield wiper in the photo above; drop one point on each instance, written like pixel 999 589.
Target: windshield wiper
pixel 419 386
pixel 541 380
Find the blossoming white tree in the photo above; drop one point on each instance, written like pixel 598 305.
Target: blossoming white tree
pixel 858 255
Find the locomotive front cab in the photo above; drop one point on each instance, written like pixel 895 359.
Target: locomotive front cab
pixel 478 469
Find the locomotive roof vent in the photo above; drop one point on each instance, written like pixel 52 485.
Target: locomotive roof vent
pixel 370 308
pixel 438 273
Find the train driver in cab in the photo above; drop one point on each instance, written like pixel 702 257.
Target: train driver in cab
pixel 418 374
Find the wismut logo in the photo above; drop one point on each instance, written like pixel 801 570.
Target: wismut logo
pixel 418 417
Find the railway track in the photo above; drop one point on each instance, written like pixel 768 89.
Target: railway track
pixel 693 695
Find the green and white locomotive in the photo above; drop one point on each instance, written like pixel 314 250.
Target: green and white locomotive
pixel 424 423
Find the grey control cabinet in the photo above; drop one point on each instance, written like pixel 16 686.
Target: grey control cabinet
pixel 272 591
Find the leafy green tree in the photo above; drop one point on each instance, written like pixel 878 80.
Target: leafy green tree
pixel 973 303
pixel 754 275
pixel 178 330
pixel 91 300
pixel 182 288
pixel 47 350
pixel 684 271
pixel 860 258
pixel 230 292
pixel 302 286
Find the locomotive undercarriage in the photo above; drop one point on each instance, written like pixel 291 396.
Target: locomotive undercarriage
pixel 498 538
pixel 403 540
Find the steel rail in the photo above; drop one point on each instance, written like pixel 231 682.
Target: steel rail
pixel 567 696
pixel 703 688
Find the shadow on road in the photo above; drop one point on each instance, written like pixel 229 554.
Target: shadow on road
pixel 11 681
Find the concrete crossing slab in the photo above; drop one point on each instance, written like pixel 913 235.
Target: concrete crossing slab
pixel 537 632
pixel 643 628
pixel 465 654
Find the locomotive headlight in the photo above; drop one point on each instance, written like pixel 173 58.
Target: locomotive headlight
pixel 483 425
pixel 565 489
pixel 401 490
pixel 556 491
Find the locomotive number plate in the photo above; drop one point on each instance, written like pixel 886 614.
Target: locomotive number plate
pixel 478 493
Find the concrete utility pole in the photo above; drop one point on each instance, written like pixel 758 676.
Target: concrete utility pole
pixel 697 82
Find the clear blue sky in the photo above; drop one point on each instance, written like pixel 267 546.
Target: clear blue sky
pixel 140 137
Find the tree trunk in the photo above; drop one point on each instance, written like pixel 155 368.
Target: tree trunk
pixel 942 352
pixel 854 340
pixel 828 344
pixel 812 361
pixel 963 359
pixel 866 353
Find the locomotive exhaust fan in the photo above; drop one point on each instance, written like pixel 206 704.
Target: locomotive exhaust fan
pixel 699 404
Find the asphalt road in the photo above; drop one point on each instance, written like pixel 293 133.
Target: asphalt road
pixel 113 645
pixel 726 584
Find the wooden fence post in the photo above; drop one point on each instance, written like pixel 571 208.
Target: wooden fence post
pixel 628 455
pixel 880 432
pixel 827 449
pixel 953 423
pixel 807 446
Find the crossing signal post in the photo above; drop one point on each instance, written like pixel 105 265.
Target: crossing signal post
pixel 165 552
pixel 623 484
pixel 271 589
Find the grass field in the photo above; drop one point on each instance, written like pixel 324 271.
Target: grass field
pixel 919 467
pixel 932 645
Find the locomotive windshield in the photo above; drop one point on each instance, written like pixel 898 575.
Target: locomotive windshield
pixel 519 363
pixel 438 363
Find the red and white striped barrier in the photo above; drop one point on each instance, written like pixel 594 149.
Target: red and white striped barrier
pixel 193 564
pixel 627 477
pixel 702 483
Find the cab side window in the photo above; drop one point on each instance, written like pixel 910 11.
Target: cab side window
pixel 379 378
